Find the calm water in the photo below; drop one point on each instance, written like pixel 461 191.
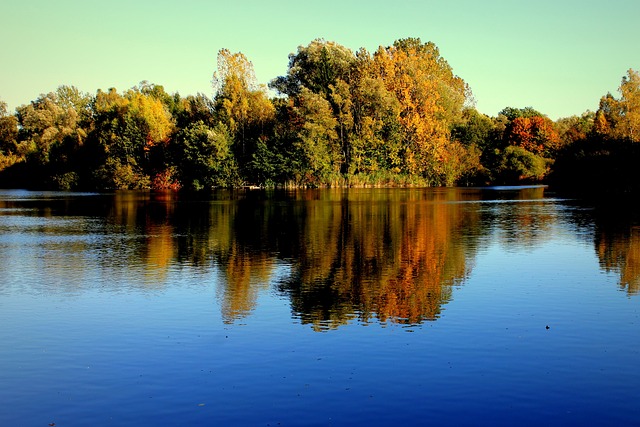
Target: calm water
pixel 457 307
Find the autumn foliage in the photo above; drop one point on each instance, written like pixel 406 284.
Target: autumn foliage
pixel 398 116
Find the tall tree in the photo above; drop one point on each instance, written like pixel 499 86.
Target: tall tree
pixel 8 130
pixel 240 102
pixel 317 66
pixel 317 140
pixel 10 152
pixel 431 99
pixel 620 118
pixel 376 143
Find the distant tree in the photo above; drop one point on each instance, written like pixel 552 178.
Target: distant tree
pixel 474 128
pixel 275 160
pixel 512 113
pixel 605 163
pixel 47 122
pixel 10 152
pixel 193 109
pixel 575 128
pixel 535 134
pixel 630 100
pixel 521 165
pixel 376 143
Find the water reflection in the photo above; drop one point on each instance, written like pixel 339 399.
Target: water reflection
pixel 617 244
pixel 383 255
pixel 389 254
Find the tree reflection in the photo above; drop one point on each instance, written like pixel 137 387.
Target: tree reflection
pixel 617 245
pixel 375 255
pixel 390 255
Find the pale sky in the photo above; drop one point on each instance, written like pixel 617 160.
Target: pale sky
pixel 557 56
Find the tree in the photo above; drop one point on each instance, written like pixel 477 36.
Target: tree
pixel 519 164
pixel 431 99
pixel 241 104
pixel 317 140
pixel 317 67
pixel 193 109
pixel 376 143
pixel 205 157
pixel 512 113
pixel 575 128
pixel 474 128
pixel 8 131
pixel 10 152
pixel 630 99
pixel 47 122
pixel 152 117
pixel 535 134
pixel 319 75
pixel 131 133
pixel 620 118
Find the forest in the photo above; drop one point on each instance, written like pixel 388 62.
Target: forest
pixel 396 117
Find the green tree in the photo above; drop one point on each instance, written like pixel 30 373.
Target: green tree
pixel 205 157
pixel 275 160
pixel 376 146
pixel 474 128
pixel 512 113
pixel 317 67
pixel 521 165
pixel 193 109
pixel 317 140
pixel 47 122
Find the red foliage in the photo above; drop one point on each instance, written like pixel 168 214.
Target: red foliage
pixel 535 134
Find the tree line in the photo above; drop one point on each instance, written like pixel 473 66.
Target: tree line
pixel 396 117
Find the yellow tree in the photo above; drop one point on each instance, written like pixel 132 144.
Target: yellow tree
pixel 375 143
pixel 431 100
pixel 153 116
pixel 8 137
pixel 620 118
pixel 630 99
pixel 241 103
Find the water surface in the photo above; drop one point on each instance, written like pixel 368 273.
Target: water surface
pixel 502 306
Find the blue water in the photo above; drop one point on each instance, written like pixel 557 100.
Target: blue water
pixel 134 310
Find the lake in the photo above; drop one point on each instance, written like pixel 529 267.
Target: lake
pixel 500 306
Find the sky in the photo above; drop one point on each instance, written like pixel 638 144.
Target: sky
pixel 557 56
